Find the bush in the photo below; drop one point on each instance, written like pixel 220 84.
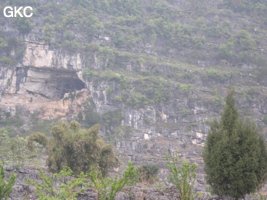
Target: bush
pixel 148 172
pixel 215 75
pixel 3 42
pixel 6 60
pixel 6 187
pixel 12 149
pixel 148 120
pixel 92 118
pixel 24 25
pixel 113 118
pixel 76 148
pixel 59 186
pixel 265 119
pixel 182 177
pixel 107 188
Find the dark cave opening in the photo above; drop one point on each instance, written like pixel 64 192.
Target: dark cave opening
pixel 68 85
pixel 65 82
pixel 51 83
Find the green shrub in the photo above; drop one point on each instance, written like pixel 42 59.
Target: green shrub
pixel 12 149
pixel 6 186
pixel 265 119
pixel 113 118
pixel 76 148
pixel 226 51
pixel 109 90
pixel 107 188
pixel 24 25
pixel 59 186
pixel 118 98
pixel 148 120
pixel 216 75
pixel 87 73
pixel 6 60
pixel 91 118
pixel 252 91
pixel 80 116
pixel 185 88
pixel 182 177
pixel 3 42
pixel 148 172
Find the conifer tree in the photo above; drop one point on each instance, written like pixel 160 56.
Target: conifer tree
pixel 235 154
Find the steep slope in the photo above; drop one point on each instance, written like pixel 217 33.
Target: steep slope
pixel 156 72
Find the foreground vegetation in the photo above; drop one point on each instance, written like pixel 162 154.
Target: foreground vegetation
pixel 76 148
pixel 235 154
pixel 197 31
pixel 6 186
pixel 235 157
pixel 66 185
pixel 69 151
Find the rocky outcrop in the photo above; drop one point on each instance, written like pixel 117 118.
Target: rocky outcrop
pixel 47 81
pixel 39 55
pixel 138 193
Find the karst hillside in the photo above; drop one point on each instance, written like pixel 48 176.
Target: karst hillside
pixel 152 73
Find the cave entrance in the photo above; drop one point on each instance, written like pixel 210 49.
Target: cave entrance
pixel 51 83
pixel 67 85
pixel 62 82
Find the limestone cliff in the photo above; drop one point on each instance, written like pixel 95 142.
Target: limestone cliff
pixel 41 82
pixel 156 73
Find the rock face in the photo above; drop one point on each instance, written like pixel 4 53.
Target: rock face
pixel 137 193
pixel 41 56
pixel 50 81
pixel 58 83
pixel 42 81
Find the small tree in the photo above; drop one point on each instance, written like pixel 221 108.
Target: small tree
pixel 235 154
pixel 6 187
pixel 107 188
pixel 182 177
pixel 76 148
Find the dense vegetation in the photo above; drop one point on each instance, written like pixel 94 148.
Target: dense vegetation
pixel 191 26
pixel 65 185
pixel 67 150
